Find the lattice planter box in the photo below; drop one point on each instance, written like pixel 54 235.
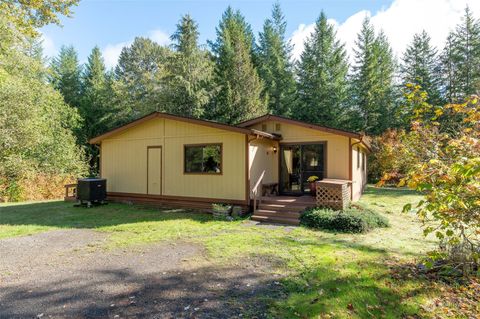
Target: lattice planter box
pixel 334 194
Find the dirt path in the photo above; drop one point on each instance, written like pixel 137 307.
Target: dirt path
pixel 60 274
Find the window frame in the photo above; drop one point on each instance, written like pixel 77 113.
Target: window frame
pixel 202 145
pixel 358 158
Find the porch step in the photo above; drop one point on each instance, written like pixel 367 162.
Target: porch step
pixel 276 213
pixel 276 220
pixel 283 207
pixel 289 200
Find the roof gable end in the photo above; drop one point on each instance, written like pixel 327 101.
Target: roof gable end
pixel 153 115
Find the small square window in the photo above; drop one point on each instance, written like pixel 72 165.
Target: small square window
pixel 278 127
pixel 264 127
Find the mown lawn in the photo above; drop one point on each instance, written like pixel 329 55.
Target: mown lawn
pixel 325 275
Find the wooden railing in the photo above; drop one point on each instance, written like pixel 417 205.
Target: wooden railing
pixel 70 192
pixel 255 191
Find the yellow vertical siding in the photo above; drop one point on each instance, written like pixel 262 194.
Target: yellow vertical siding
pixel 337 165
pixel 229 185
pixel 124 160
pixel 359 173
pixel 262 158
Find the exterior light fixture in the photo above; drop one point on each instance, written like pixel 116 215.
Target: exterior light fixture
pixel 274 150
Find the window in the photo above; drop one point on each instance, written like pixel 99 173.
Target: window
pixel 277 127
pixel 264 127
pixel 364 158
pixel 358 157
pixel 203 159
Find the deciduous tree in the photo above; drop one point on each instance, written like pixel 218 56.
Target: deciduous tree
pixel 140 78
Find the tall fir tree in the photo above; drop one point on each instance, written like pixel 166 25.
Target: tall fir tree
pixel 95 105
pixel 460 60
pixel 420 67
pixel 274 66
pixel 387 95
pixel 371 84
pixel 448 70
pixel 322 77
pixel 66 75
pixel 239 86
pixel 140 78
pixel 189 83
pixel 467 54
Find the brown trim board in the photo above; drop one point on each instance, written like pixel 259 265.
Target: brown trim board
pixel 178 198
pixel 350 163
pixel 247 165
pixel 161 162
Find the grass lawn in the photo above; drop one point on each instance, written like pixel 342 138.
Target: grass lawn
pixel 325 275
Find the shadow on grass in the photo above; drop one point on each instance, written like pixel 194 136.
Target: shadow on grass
pixel 209 292
pixel 109 292
pixel 65 215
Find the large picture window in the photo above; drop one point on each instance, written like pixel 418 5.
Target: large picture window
pixel 203 159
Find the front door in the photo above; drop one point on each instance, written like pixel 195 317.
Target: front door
pixel 297 163
pixel 154 170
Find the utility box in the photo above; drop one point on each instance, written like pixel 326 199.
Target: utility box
pixel 91 190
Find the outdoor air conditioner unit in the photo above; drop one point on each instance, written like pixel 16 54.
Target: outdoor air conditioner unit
pixel 91 191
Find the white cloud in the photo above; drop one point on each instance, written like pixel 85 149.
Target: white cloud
pixel 159 36
pixel 299 36
pixel 49 48
pixel 111 52
pixel 400 21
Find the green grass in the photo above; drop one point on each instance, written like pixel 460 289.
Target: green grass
pixel 325 274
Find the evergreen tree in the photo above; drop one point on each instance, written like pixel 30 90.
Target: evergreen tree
pixel 191 72
pixel 448 70
pixel 466 53
pixel 372 81
pixel 386 95
pixel 95 106
pixel 140 76
pixel 274 66
pixel 460 60
pixel 240 88
pixel 420 67
pixel 322 77
pixel 65 75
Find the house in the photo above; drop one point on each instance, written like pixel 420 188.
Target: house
pixel 182 161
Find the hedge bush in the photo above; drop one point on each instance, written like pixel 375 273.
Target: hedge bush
pixel 351 220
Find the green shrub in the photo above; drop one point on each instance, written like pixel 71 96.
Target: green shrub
pixel 351 220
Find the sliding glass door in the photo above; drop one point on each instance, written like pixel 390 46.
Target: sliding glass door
pixel 297 163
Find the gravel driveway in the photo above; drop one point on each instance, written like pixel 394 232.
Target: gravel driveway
pixel 63 273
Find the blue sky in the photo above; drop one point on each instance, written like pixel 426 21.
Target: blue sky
pixel 111 24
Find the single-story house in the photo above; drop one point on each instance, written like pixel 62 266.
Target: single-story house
pixel 172 159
